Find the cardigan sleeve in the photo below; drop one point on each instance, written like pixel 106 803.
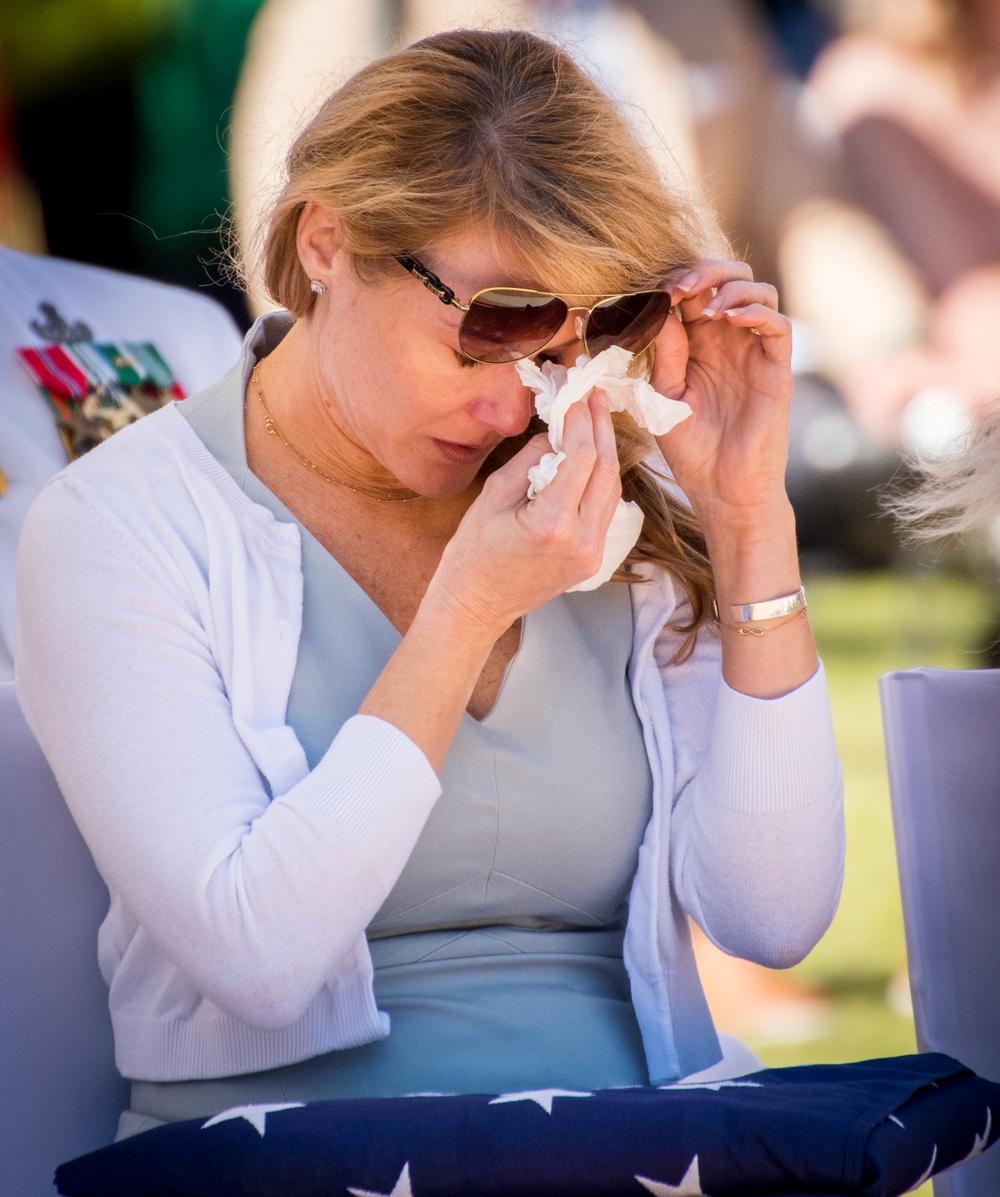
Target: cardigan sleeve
pixel 756 831
pixel 253 896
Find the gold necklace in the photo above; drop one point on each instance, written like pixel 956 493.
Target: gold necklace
pixel 272 427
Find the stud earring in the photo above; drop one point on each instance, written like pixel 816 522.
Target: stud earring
pixel 317 286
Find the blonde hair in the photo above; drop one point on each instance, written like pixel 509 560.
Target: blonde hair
pixel 501 130
pixel 957 492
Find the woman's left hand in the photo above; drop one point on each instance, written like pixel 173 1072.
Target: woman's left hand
pixel 730 361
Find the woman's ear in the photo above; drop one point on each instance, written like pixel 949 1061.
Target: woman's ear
pixel 319 240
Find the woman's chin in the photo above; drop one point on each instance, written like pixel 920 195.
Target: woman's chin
pixel 444 483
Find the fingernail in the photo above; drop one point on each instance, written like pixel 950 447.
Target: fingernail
pixel 687 282
pixel 733 311
pixel 710 311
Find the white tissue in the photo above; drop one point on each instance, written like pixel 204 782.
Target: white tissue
pixel 556 388
pixel 541 475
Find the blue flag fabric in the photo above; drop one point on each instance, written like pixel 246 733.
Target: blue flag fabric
pixel 876 1128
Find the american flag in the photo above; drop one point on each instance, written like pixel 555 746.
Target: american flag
pixel 877 1128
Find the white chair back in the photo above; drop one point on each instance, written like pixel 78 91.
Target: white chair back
pixel 60 1095
pixel 942 735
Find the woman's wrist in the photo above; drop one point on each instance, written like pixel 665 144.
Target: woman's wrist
pixel 724 521
pixel 448 614
pixel 754 557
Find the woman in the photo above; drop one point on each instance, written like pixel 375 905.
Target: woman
pixel 300 654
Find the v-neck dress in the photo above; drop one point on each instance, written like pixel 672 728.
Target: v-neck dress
pixel 498 953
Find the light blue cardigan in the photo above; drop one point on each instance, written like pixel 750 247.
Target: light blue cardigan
pixel 160 612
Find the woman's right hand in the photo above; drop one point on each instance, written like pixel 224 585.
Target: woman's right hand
pixel 510 555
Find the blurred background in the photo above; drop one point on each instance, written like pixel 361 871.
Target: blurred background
pixel 851 152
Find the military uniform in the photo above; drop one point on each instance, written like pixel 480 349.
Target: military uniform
pixel 82 352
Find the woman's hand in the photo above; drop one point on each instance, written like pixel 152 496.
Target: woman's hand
pixel 730 360
pixel 510 555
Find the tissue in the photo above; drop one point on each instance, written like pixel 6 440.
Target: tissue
pixel 556 389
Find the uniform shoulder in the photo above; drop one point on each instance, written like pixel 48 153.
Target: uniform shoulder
pixel 107 291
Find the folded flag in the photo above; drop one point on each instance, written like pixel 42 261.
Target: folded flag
pixel 876 1128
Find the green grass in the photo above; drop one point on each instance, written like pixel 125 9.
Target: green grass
pixel 865 625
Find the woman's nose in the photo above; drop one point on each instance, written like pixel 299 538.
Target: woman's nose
pixel 507 405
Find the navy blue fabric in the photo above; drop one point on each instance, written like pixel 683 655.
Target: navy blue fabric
pixel 874 1129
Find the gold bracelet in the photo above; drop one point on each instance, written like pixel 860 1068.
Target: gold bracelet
pixel 747 631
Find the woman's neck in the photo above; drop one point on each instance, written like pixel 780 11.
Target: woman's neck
pixel 288 421
pixel 288 398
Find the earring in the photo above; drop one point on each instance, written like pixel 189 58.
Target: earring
pixel 317 286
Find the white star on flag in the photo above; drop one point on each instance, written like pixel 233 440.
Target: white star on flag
pixel 979 1144
pixel 690 1184
pixel 715 1086
pixel 542 1097
pixel 400 1189
pixel 255 1115
pixel 922 1180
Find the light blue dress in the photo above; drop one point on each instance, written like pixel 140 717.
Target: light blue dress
pixel 498 953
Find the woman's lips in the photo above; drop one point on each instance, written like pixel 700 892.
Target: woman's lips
pixel 464 454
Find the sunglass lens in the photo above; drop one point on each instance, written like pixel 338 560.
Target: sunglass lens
pixel 504 325
pixel 632 321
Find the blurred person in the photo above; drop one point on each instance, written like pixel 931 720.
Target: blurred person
pixel 912 92
pixel 756 161
pixel 956 493
pixel 952 496
pixel 369 760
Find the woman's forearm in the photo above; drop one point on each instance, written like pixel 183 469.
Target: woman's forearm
pixel 428 681
pixel 756 834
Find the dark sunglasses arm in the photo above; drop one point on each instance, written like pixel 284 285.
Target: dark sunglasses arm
pixel 430 281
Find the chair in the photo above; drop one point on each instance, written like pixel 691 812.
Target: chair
pixel 942 735
pixel 60 1094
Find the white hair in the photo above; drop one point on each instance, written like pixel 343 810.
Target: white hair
pixel 957 492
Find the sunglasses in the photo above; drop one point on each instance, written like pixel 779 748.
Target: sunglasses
pixel 505 324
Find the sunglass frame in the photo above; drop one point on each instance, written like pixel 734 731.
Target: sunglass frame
pixel 448 297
